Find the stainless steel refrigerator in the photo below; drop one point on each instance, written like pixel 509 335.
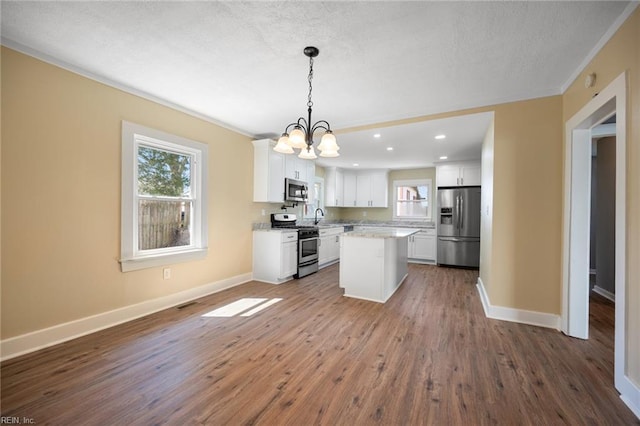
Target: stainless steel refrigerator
pixel 459 226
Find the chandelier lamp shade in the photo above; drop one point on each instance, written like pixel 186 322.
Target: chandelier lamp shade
pixel 299 134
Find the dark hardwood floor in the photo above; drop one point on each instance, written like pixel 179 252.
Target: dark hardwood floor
pixel 427 356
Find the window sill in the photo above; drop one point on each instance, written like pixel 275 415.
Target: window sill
pixel 162 259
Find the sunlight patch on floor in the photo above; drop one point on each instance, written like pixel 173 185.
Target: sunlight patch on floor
pixel 242 307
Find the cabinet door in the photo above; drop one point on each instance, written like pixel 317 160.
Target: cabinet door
pixel 363 190
pixel 330 195
pixel 290 166
pixel 276 177
pixel 289 260
pixel 448 176
pixel 423 246
pixel 297 168
pixel 324 250
pixel 339 188
pixel 350 189
pixel 471 175
pixel 379 189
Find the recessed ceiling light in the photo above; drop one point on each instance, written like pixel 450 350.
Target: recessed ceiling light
pixel 389 148
pixel 355 164
pixel 444 157
pixel 377 135
pixel 441 136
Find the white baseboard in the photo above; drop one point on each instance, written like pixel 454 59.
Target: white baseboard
pixel 539 319
pixel 604 293
pixel 633 402
pixel 40 339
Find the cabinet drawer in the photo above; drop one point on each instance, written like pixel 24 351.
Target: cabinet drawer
pixel 289 236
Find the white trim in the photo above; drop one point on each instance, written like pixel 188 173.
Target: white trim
pixel 540 319
pixel 612 98
pixel 604 293
pixel 632 402
pixel 600 44
pixel 115 84
pixel 413 182
pixel 40 339
pixel 134 135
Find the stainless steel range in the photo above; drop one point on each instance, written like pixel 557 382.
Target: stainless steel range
pixel 308 242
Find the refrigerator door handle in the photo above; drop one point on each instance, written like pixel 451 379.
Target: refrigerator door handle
pixel 457 211
pixel 461 212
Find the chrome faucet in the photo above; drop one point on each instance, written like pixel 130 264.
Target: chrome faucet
pixel 315 215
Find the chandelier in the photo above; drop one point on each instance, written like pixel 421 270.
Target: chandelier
pixel 301 136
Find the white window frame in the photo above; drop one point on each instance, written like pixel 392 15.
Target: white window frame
pixel 131 259
pixel 412 182
pixel 307 212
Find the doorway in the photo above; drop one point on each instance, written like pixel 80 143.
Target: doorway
pixel 576 221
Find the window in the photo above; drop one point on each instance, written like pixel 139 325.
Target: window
pixel 412 199
pixel 163 198
pixel 315 198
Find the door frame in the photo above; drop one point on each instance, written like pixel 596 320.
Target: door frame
pixel 575 252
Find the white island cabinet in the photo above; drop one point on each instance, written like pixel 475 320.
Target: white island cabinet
pixel 373 263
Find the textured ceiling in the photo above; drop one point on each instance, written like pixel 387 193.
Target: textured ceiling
pixel 240 64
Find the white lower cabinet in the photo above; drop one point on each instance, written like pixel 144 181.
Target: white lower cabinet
pixel 422 246
pixel 275 255
pixel 329 248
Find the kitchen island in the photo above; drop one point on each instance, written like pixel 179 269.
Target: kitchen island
pixel 373 262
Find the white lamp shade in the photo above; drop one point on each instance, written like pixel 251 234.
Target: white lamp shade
pixel 297 138
pixel 308 154
pixel 283 145
pixel 328 143
pixel 329 153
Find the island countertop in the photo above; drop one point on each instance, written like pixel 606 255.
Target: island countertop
pixel 383 233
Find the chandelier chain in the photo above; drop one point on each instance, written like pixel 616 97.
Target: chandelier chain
pixel 310 102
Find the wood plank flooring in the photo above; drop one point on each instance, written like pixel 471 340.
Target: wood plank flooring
pixel 426 357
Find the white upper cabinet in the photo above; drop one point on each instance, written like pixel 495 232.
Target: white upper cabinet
pixel 298 169
pixel 333 181
pixel 372 189
pixel 467 173
pixel 349 189
pixel 271 167
pixel 379 189
pixel 268 172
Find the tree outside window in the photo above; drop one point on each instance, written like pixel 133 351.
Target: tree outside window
pixel 164 198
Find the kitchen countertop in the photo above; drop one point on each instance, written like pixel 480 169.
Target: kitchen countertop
pixel 378 224
pixel 383 233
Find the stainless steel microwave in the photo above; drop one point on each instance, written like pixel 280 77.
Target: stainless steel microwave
pixel 295 190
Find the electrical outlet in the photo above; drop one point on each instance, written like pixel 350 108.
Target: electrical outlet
pixel 166 273
pixel 263 212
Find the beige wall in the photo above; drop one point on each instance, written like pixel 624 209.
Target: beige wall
pixel 620 54
pixel 527 197
pixel 386 214
pixel 61 198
